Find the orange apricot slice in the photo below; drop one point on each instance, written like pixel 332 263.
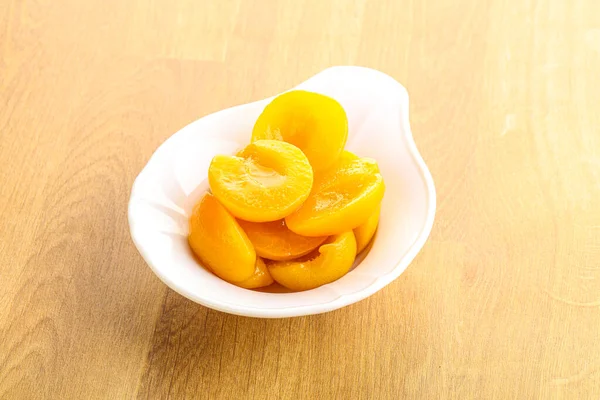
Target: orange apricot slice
pixel 266 181
pixel 315 123
pixel 341 203
pixel 365 232
pixel 325 177
pixel 260 278
pixel 273 240
pixel 219 241
pixel 332 261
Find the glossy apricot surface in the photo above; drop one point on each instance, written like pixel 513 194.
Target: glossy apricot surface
pixel 219 241
pixel 315 123
pixel 341 202
pixel 365 232
pixel 332 261
pixel 266 181
pixel 260 278
pixel 326 177
pixel 273 240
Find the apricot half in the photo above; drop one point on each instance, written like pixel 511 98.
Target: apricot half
pixel 332 261
pixel 315 123
pixel 273 240
pixel 342 202
pixel 260 278
pixel 219 241
pixel 365 232
pixel 266 181
pixel 326 177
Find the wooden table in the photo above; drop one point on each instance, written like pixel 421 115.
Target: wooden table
pixel 503 301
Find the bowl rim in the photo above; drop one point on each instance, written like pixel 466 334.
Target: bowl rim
pixel 344 299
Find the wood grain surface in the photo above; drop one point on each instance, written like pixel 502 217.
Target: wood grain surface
pixel 503 302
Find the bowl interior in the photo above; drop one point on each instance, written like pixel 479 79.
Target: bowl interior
pixel 175 178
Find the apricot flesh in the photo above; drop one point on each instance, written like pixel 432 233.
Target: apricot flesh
pixel 315 123
pixel 326 177
pixel 219 241
pixel 260 278
pixel 340 203
pixel 365 232
pixel 332 261
pixel 266 181
pixel 274 241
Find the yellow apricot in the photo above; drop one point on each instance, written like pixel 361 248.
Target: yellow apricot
pixel 219 241
pixel 260 278
pixel 340 203
pixel 333 260
pixel 273 240
pixel 365 232
pixel 325 177
pixel 315 123
pixel 268 180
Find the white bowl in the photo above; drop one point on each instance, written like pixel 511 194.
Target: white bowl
pixel 175 178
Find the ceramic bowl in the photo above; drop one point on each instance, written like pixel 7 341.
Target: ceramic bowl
pixel 175 178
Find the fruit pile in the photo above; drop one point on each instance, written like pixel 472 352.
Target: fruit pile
pixel 293 206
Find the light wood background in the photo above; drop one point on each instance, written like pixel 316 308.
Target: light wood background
pixel 504 300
